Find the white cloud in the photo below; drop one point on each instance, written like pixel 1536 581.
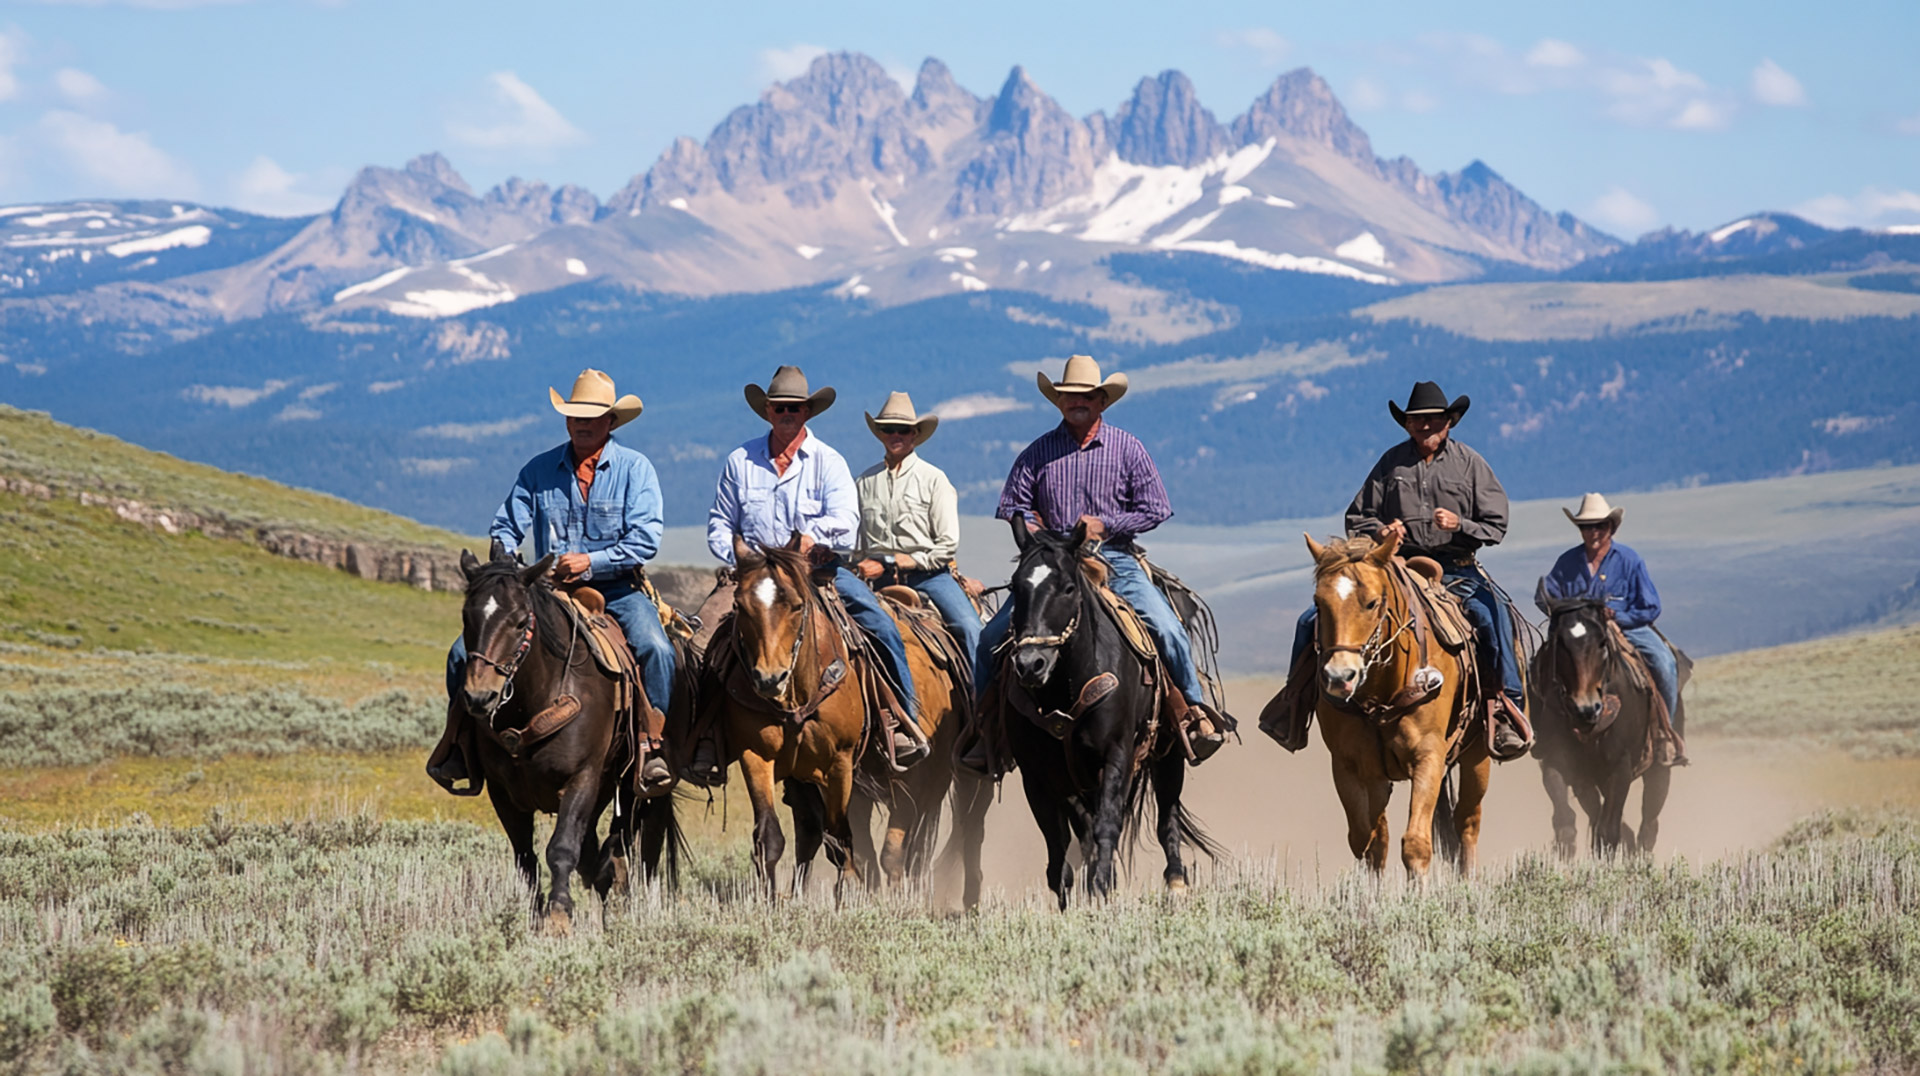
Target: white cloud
pixel 1551 52
pixel 478 431
pixel 79 87
pixel 1773 85
pixel 1871 208
pixel 1419 102
pixel 123 162
pixel 265 187
pixel 780 65
pixel 1620 210
pixel 1265 43
pixel 1701 115
pixel 1367 95
pixel 524 121
pixel 9 55
pixel 1908 125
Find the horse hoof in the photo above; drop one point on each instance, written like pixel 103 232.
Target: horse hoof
pixel 1177 887
pixel 622 878
pixel 559 923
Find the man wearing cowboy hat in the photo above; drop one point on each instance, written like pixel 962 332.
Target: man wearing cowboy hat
pixel 1086 470
pixel 910 520
pixel 789 482
pixel 1600 567
pixel 1442 500
pixel 594 504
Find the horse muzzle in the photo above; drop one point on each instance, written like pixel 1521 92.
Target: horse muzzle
pixel 771 686
pixel 1341 680
pixel 479 702
pixel 1033 666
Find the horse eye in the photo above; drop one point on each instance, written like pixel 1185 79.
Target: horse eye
pixel 1373 604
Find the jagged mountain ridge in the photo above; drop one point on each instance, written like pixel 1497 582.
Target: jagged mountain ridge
pixel 842 176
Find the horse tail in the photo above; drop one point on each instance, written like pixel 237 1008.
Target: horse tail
pixel 675 836
pixel 921 841
pixel 1142 811
pixel 1446 829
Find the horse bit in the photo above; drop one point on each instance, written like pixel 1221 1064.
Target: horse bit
pixel 510 669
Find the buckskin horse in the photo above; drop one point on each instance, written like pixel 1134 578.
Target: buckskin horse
pixel 1383 724
pixel 1088 774
pixel 546 736
pixel 1598 728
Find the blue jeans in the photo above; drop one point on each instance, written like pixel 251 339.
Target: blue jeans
pixel 1492 629
pixel 1130 581
pixel 1660 662
pixel 864 606
pixel 638 618
pixel 943 590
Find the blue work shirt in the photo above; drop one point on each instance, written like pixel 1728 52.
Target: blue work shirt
pixel 1623 581
pixel 816 497
pixel 619 528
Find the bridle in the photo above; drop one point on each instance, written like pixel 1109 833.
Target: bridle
pixel 1607 654
pixel 1058 639
pixel 799 635
pixel 1377 648
pixel 511 667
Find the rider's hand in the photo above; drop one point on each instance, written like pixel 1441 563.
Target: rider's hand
pixel 972 586
pixel 1395 530
pixel 1095 529
pixel 869 568
pixel 902 562
pixel 806 544
pixel 1445 520
pixel 568 567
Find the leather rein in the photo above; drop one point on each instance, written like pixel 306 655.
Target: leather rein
pixel 810 608
pixel 1378 649
pixel 1609 700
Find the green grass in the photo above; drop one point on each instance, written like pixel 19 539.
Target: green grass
pixel 357 945
pixel 1856 693
pixel 34 446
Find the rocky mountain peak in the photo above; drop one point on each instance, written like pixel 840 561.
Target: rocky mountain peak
pixel 1164 124
pixel 435 167
pixel 1301 105
pixel 1480 198
pixel 1033 154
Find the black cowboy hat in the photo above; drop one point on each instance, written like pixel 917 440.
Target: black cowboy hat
pixel 1427 399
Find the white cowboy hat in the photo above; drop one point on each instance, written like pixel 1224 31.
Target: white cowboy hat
pixel 593 396
pixel 788 385
pixel 1082 375
pixel 899 412
pixel 1595 509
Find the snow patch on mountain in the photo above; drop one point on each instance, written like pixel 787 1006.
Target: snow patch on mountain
pixel 445 302
pixel 1721 235
pixel 576 267
pixel 886 213
pixel 194 235
pixel 375 284
pixel 1232 193
pixel 1227 248
pixel 1365 247
pixel 809 252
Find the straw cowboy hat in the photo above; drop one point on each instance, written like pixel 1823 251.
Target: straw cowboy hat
pixel 593 396
pixel 1595 509
pixel 899 412
pixel 789 385
pixel 1082 375
pixel 1427 399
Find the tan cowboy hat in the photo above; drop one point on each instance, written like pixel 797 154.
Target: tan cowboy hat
pixel 899 412
pixel 593 396
pixel 1595 509
pixel 1082 375
pixel 789 385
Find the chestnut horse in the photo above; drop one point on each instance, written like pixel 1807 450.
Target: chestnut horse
pixel 1377 725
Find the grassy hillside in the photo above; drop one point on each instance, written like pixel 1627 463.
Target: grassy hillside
pixel 1856 692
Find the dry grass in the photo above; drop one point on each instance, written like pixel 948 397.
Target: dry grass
pixel 1858 693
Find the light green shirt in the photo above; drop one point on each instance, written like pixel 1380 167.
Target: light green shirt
pixel 913 510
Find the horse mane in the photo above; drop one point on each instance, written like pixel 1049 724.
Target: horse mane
pixel 791 562
pixel 1337 553
pixel 1096 570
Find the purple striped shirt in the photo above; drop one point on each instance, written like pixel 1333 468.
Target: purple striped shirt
pixel 1112 479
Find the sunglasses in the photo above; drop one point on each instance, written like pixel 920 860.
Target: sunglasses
pixel 787 409
pixel 894 431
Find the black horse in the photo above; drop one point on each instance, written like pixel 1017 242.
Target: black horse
pixel 1091 780
pixel 546 737
pixel 1596 726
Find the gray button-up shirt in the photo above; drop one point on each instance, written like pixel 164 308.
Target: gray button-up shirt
pixel 1402 486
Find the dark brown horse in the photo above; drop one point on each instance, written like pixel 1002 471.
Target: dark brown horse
pixel 546 736
pixel 1596 726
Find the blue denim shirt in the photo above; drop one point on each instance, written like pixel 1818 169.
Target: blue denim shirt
pixel 619 529
pixel 1623 581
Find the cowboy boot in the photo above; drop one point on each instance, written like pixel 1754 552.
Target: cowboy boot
pixel 1208 731
pixel 447 765
pixel 1289 714
pixel 655 774
pixel 1511 734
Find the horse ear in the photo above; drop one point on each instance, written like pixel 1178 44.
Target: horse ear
pixel 531 574
pixel 1022 537
pixel 1314 548
pixel 498 551
pixel 1384 549
pixel 1079 534
pixel 793 543
pixel 469 564
pixel 745 556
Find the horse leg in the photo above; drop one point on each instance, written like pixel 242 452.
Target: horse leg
pixel 837 794
pixel 653 819
pixel 1365 799
pixel 1469 807
pixel 970 829
pixel 809 827
pixel 1169 780
pixel 573 833
pixel 1588 795
pixel 1108 820
pixel 768 841
pixel 1614 804
pixel 1052 820
pixel 903 817
pixel 1564 823
pixel 519 827
pixel 860 821
pixel 1654 786
pixel 1416 844
pixel 614 877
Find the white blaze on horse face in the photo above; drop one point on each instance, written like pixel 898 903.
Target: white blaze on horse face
pixel 1038 575
pixel 487 610
pixel 1578 630
pixel 1343 586
pixel 765 591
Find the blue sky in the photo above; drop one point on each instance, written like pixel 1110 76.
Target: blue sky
pixel 1633 115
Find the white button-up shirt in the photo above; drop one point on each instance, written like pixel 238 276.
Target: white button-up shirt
pixel 913 510
pixel 815 497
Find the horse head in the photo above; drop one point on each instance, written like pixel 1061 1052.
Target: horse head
pixel 497 623
pixel 1581 645
pixel 771 611
pixel 1352 596
pixel 1047 600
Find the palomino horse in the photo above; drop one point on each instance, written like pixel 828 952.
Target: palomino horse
pixel 1085 777
pixel 1596 726
pixel 546 736
pixel 1381 723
